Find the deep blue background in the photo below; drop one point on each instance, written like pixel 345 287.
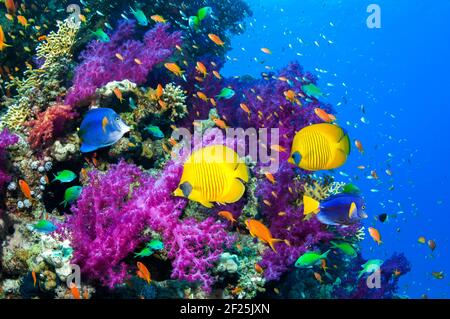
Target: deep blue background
pixel 400 74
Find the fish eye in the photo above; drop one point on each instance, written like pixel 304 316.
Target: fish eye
pixel 363 207
pixel 117 119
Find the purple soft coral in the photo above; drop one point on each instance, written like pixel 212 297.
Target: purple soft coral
pixel 100 64
pixel 106 228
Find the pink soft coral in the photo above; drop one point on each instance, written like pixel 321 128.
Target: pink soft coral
pixel 49 125
pixel 116 207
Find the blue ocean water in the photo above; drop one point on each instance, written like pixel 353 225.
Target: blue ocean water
pixel 398 75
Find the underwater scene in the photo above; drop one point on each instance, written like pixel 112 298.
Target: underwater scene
pixel 224 149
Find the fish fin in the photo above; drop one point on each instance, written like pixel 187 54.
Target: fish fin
pixel 325 254
pixel 310 205
pixel 352 210
pixel 63 202
pixel 344 143
pixel 241 172
pixel 236 191
pixel 85 148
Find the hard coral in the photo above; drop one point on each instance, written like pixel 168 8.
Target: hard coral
pixel 100 64
pixel 106 228
pixel 49 125
pixel 6 139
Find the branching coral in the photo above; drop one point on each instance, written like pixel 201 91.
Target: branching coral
pixel 100 64
pixel 43 85
pixel 106 228
pixel 49 124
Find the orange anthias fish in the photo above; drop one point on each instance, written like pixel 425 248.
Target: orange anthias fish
pixel 215 38
pixel 220 123
pixel 227 215
pixel 290 95
pixel 10 6
pixel 159 91
pixel 270 177
pixel 259 269
pixel 318 277
pixel 323 265
pixel 42 38
pixel 359 146
pixel 25 188
pixel 217 74
pixel 3 45
pixel 158 18
pixel 375 234
pixel 201 68
pixel 174 68
pixel 324 116
pixel 137 61
pixel 245 108
pixel 259 230
pixel 33 274
pixel 143 272
pixel 277 148
pixel 23 21
pixel 202 96
pixel 119 56
pixel 118 94
pixel 75 292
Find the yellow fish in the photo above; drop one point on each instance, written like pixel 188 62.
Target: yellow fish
pixel 213 174
pixel 3 45
pixel 174 68
pixel 215 38
pixel 320 147
pixel 23 21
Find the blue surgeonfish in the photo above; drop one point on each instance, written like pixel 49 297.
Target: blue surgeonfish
pixel 100 128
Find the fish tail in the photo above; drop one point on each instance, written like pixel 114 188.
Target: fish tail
pixel 310 205
pixel 325 254
pixel 272 242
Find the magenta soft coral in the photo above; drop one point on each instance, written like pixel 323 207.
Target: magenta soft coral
pixel 100 64
pixel 49 125
pixel 116 207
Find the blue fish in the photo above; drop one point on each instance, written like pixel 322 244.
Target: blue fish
pixel 339 209
pixel 100 128
pixel 154 131
pixel 44 226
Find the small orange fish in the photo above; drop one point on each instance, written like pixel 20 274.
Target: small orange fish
pixel 172 141
pixel 245 108
pixel 162 104
pixel 227 215
pixel 277 148
pixel 375 234
pixel 159 91
pixel 217 74
pixel 201 68
pixel 119 56
pixel 82 18
pixel 259 230
pixel 137 61
pixel 10 6
pixel 202 96
pixel 267 202
pixel 174 68
pixel 318 277
pixel 23 21
pixel 290 95
pixel 432 244
pixel 25 188
pixel 9 17
pixel 42 38
pixel 143 272
pixel 282 214
pixel 3 45
pixel 215 38
pixel 323 265
pixel 270 177
pixel 85 294
pixel 213 102
pixel 220 123
pixel 236 290
pixel 259 269
pixel 84 173
pixel 397 272
pixel 374 174
pixel 118 94
pixel 266 51
pixel 324 116
pixel 158 18
pixel 359 146
pixel 33 274
pixel 75 292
